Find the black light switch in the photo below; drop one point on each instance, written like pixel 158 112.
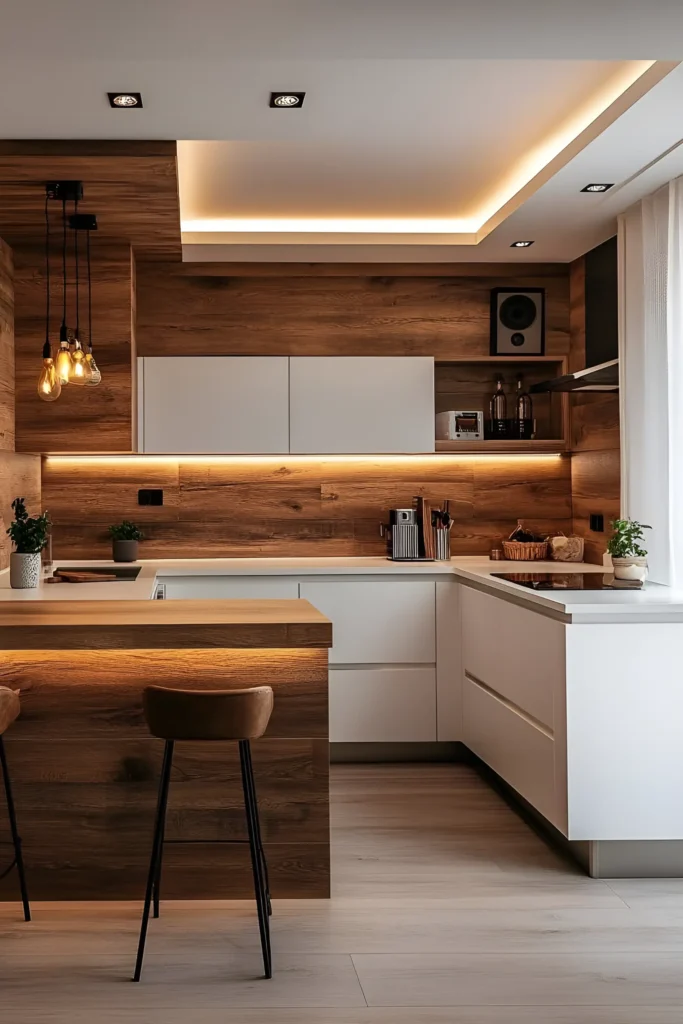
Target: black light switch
pixel 150 496
pixel 597 522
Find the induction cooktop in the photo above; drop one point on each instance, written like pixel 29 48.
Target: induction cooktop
pixel 567 581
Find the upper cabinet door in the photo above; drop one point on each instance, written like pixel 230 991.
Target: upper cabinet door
pixel 361 405
pixel 214 405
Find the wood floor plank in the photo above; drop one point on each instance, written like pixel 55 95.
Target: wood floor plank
pixel 446 909
pixel 369 1015
pixel 447 979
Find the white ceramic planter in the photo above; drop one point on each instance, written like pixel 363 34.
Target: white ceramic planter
pixel 24 570
pixel 634 569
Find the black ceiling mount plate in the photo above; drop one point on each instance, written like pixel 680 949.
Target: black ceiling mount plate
pixel 83 222
pixel 64 191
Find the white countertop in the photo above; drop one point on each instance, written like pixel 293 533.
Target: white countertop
pixel 653 603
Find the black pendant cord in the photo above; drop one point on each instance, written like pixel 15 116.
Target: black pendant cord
pixel 63 332
pixel 47 351
pixel 87 246
pixel 78 301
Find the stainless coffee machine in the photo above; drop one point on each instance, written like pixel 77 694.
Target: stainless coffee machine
pixel 403 534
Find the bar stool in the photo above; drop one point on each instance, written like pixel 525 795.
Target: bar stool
pixel 9 711
pixel 200 715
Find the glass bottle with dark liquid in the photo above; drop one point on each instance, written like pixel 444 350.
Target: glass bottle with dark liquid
pixel 498 411
pixel 524 419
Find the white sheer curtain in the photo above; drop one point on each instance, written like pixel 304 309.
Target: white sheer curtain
pixel 651 374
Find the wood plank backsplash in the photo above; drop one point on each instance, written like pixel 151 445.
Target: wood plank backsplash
pixel 282 507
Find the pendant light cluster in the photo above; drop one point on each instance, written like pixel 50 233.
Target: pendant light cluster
pixel 73 362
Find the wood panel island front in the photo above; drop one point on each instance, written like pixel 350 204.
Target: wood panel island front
pixel 85 770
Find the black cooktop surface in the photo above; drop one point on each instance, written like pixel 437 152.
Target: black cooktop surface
pixel 567 581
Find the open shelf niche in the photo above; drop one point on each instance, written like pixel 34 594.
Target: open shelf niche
pixel 468 384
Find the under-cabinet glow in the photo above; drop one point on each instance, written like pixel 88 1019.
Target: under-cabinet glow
pixel 430 460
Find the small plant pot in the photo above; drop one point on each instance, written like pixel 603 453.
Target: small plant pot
pixel 125 550
pixel 24 570
pixel 634 569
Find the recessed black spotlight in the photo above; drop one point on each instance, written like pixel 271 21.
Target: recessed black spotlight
pixel 598 186
pixel 287 100
pixel 125 100
pixel 521 245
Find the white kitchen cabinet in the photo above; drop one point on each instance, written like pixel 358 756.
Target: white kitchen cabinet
pixel 516 652
pixel 386 622
pixel 364 404
pixel 518 748
pixel 391 704
pixel 213 405
pixel 237 587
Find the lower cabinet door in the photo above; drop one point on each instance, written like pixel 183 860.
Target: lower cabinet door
pixel 382 705
pixel 519 749
pixel 238 587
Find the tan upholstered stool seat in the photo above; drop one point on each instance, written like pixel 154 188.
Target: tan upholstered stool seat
pixel 9 708
pixel 208 714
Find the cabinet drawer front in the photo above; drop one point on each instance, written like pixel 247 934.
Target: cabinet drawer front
pixel 238 587
pixel 378 622
pixel 518 653
pixel 520 751
pixel 382 705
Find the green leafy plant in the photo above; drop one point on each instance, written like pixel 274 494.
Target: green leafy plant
pixel 625 541
pixel 29 534
pixel 125 531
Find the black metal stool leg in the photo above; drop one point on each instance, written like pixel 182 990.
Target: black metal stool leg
pixel 259 842
pixel 157 878
pixel 16 838
pixel 256 865
pixel 157 849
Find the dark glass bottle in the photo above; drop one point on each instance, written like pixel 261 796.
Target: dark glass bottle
pixel 524 419
pixel 498 407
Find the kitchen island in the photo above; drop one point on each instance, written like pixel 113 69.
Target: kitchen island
pixel 85 769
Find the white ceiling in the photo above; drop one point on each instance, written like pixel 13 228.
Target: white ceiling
pixel 413 110
pixel 63 32
pixel 387 139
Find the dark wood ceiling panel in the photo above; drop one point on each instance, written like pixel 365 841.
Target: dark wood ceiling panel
pixel 131 186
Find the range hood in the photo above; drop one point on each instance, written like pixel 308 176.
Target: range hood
pixel 603 377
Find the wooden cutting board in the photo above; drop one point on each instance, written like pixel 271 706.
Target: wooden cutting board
pixel 83 577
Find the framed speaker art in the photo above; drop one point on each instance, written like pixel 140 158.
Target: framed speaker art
pixel 517 321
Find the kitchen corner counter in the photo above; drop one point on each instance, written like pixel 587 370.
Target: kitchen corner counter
pixel 653 603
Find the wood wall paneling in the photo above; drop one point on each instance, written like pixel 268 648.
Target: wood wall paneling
pixel 394 310
pixel 83 419
pixel 132 187
pixel 19 474
pixel 6 348
pixel 275 507
pixel 595 474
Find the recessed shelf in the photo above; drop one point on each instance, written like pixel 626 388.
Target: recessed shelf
pixel 468 383
pixel 535 447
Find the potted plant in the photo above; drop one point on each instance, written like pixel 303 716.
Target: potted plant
pixel 29 534
pixel 629 557
pixel 125 537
